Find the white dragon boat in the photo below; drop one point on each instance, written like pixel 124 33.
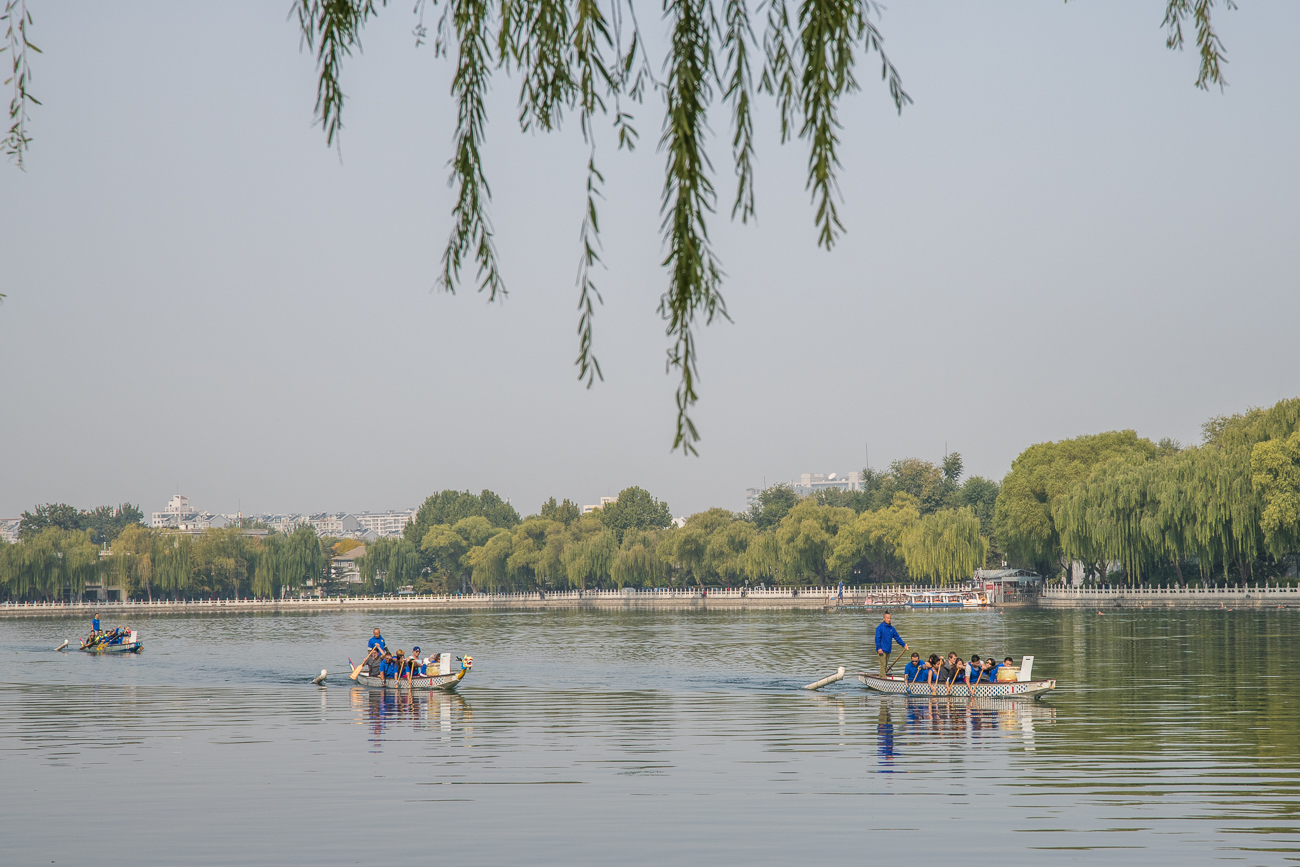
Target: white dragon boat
pixel 1023 687
pixel 129 644
pixel 445 680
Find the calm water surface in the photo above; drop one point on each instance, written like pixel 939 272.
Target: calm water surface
pixel 652 738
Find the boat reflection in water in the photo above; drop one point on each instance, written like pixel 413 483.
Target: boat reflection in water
pixel 961 721
pixel 424 710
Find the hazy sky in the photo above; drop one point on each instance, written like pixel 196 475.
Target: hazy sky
pixel 1062 236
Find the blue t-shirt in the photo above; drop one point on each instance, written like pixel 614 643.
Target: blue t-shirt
pixel 94 624
pixel 377 641
pixel 912 671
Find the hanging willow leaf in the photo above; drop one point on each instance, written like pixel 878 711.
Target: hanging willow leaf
pixel 571 55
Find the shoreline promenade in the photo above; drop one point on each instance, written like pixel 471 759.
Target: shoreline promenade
pixel 1256 597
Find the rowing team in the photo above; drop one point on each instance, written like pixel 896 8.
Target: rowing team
pixel 110 636
pixel 386 665
pixel 954 669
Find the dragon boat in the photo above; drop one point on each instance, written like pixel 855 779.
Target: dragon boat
pixel 445 680
pixel 130 644
pixel 1022 687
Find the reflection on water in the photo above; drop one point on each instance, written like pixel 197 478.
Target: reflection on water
pixel 653 738
pixel 424 710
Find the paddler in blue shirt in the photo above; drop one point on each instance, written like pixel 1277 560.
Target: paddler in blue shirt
pixel 912 671
pixel 417 668
pixel 886 635
pixel 375 647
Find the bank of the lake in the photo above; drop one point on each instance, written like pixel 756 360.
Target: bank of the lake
pixel 1256 596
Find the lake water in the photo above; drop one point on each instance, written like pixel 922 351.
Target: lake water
pixel 654 737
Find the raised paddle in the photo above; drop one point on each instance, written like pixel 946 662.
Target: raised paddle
pixel 356 671
pixel 62 646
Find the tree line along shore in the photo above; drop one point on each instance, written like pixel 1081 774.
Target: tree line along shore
pixel 1119 507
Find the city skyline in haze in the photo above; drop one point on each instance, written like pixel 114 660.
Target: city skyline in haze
pixel 1061 236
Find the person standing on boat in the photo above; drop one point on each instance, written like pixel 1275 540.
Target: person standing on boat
pixel 94 625
pixel 886 635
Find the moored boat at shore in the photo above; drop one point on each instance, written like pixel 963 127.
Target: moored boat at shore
pixel 947 599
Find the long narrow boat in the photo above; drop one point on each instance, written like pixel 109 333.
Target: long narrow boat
pixel 948 599
pixel 125 647
pixel 1013 689
pixel 446 682
pixel 1023 687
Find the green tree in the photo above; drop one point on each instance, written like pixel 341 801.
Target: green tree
pixel 390 564
pixel 106 522
pixel 635 509
pixel 773 504
pixel 448 507
pixel 60 516
pixel 1032 492
pixel 944 546
pixel 1275 473
pixel 566 512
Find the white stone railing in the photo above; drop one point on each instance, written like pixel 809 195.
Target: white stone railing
pixel 640 594
pixel 1173 591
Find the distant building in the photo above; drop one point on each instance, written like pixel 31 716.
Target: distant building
pixel 345 567
pixel 604 501
pixel 179 515
pixel 9 529
pixel 338 524
pixel 284 524
pixel 810 483
pixel 386 523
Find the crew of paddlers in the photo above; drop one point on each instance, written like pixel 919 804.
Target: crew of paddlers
pixel 386 665
pixel 937 670
pixel 99 637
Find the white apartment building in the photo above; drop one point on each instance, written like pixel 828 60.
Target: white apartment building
pixel 179 515
pixel 9 529
pixel 604 501
pixel 811 483
pixel 338 524
pixel 386 523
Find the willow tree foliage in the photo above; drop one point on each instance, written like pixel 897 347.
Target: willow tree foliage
pixel 1025 518
pixel 1228 505
pixel 1275 473
pixel 591 60
pixel 390 564
pixel 944 546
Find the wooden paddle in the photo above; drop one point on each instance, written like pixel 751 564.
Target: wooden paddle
pixel 357 671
